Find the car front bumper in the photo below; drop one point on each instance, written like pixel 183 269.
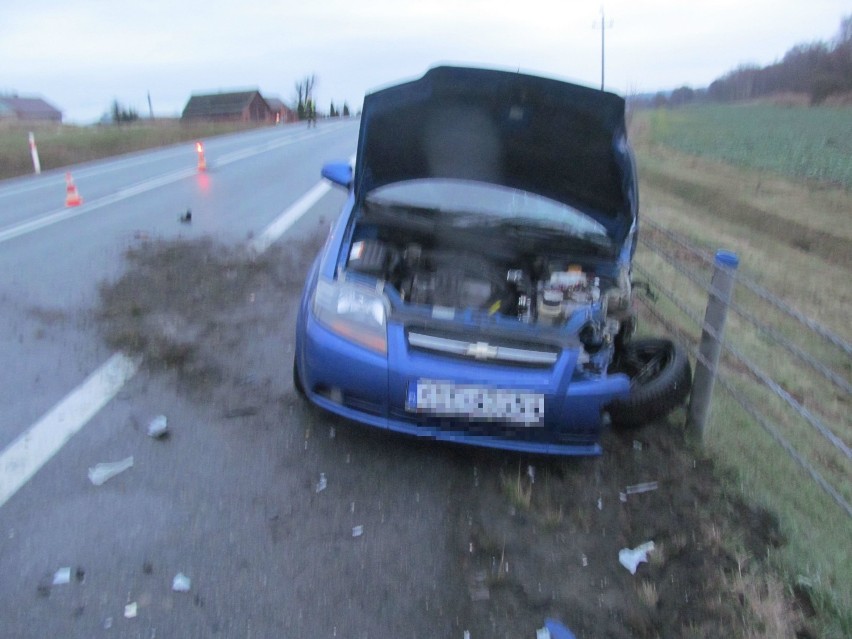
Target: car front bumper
pixel 376 390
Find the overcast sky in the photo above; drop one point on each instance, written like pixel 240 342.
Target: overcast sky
pixel 80 55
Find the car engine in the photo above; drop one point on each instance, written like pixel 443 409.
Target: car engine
pixel 537 290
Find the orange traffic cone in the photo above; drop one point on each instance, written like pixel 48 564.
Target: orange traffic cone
pixel 202 162
pixel 72 197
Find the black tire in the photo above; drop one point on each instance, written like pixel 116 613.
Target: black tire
pixel 660 381
pixel 297 380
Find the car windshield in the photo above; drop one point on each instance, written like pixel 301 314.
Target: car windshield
pixel 478 203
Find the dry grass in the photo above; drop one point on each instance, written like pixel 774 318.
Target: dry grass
pixel 518 489
pixel 794 239
pixel 648 595
pixel 63 145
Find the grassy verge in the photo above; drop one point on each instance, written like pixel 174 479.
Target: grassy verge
pixel 62 145
pixel 794 238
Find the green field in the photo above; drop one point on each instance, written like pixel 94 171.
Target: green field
pixel 813 143
pixel 773 185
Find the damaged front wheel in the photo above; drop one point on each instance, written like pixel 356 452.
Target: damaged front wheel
pixel 660 380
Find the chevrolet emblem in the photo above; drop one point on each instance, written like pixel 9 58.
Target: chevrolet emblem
pixel 481 350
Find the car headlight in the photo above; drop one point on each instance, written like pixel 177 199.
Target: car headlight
pixel 353 311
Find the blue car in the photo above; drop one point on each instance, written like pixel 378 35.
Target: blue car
pixel 476 287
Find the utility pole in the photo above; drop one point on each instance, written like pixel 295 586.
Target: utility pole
pixel 150 106
pixel 603 27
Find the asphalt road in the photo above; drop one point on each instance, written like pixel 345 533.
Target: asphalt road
pixel 229 499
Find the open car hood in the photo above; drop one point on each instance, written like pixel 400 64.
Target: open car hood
pixel 556 139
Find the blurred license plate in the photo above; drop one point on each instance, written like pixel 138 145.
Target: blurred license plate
pixel 478 403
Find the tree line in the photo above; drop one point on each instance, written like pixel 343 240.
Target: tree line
pixel 818 70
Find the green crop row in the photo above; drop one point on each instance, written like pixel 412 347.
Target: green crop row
pixel 813 143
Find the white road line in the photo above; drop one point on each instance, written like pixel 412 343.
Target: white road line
pixel 61 215
pixel 289 217
pixel 33 448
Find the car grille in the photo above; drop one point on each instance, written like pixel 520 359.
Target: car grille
pixel 540 356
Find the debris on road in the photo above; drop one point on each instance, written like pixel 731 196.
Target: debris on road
pixel 554 630
pixel 181 583
pixel 636 489
pixel 630 558
pixel 322 483
pixel 357 531
pixel 62 576
pixel 102 472
pixel 159 427
pixel 130 610
pixel 107 623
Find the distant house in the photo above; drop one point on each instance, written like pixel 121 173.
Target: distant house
pixel 28 110
pixel 242 106
pixel 281 112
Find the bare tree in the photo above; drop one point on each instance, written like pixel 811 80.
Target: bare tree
pixel 305 105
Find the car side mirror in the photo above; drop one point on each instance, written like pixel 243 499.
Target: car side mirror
pixel 338 172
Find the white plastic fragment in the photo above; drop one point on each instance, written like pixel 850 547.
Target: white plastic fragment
pixel 158 427
pixel 531 473
pixel 357 531
pixel 645 487
pixel 584 560
pixel 181 583
pixel 542 633
pixel 630 558
pixel 130 610
pixel 107 623
pixel 62 576
pixel 322 484
pixel 102 472
pixel 466 634
pixel 600 503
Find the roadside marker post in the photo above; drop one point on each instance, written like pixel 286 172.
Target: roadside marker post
pixel 721 287
pixel 34 153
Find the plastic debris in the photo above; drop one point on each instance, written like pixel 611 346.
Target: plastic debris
pixel 630 559
pixel 322 484
pixel 102 472
pixel 466 634
pixel 62 576
pixel 130 610
pixel 357 531
pixel 555 630
pixel 636 489
pixel 159 427
pixel 637 445
pixel 181 583
pixel 531 473
pixel 584 560
pixel 107 623
pixel 600 503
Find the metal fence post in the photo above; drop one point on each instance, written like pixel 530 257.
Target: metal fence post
pixel 721 287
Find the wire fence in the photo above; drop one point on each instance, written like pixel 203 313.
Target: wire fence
pixel 783 339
